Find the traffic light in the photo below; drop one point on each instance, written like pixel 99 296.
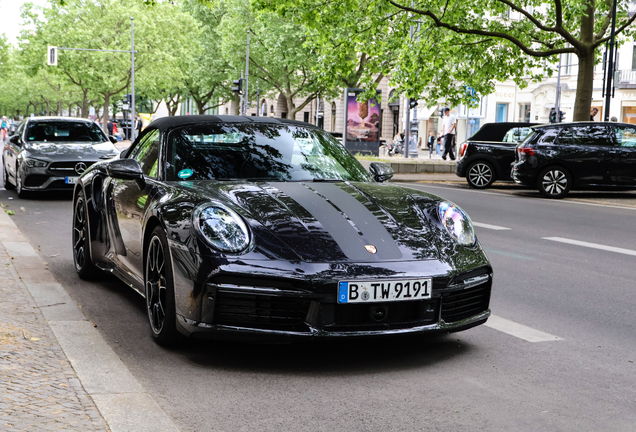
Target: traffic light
pixel 238 86
pixel 412 103
pixel 553 116
pixel 561 116
pixel 51 56
pixel 127 99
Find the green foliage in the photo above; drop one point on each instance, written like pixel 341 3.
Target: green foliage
pixel 439 48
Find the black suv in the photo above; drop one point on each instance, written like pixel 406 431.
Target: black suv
pixel 586 155
pixel 487 155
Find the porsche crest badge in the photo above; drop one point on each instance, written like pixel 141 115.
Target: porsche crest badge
pixel 370 248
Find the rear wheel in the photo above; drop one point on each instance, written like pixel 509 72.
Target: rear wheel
pixel 554 182
pixel 160 300
pixel 480 175
pixel 84 265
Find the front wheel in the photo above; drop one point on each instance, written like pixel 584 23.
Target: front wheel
pixel 480 175
pixel 160 299
pixel 554 182
pixel 19 189
pixel 84 265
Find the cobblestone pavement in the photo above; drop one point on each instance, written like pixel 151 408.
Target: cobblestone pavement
pixel 40 391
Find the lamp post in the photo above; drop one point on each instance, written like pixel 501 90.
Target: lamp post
pixel 610 64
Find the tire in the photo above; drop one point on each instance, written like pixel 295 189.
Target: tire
pixel 7 184
pixel 18 184
pixel 82 259
pixel 554 182
pixel 480 175
pixel 159 290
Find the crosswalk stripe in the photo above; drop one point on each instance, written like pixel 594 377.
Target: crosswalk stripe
pixel 519 330
pixel 592 245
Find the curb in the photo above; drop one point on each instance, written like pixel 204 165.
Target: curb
pixel 418 167
pixel 122 402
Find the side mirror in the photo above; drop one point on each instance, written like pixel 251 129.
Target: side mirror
pixel 126 169
pixel 15 139
pixel 113 139
pixel 380 172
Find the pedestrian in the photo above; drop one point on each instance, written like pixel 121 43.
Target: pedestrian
pixel 109 126
pixel 438 143
pixel 431 142
pixel 593 113
pixel 448 130
pixel 138 125
pixel 4 129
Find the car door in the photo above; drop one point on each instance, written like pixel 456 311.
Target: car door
pixel 587 151
pixel 131 203
pixel 623 168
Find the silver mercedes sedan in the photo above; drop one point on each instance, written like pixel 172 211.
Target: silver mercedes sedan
pixel 49 153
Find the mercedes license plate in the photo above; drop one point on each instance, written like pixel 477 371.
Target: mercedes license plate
pixel 70 180
pixel 384 291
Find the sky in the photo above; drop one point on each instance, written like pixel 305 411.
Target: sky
pixel 10 21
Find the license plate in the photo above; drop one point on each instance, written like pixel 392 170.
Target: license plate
pixel 384 291
pixel 70 180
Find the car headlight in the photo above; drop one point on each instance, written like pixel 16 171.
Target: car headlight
pixel 457 223
pixel 223 228
pixel 34 163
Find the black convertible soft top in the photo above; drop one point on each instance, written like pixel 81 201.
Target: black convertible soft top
pixel 165 123
pixel 496 131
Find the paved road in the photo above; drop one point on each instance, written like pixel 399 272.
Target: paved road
pixel 579 299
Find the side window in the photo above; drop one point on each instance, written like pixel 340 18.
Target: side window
pixel 147 154
pixel 625 136
pixel 593 135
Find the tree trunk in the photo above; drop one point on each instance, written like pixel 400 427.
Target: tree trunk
pixel 291 108
pixel 585 78
pixel 105 118
pixel 201 106
pixel 84 113
pixel 236 106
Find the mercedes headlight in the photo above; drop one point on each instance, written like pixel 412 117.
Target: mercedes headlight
pixel 35 163
pixel 457 223
pixel 223 228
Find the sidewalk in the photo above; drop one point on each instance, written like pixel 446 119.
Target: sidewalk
pixel 56 371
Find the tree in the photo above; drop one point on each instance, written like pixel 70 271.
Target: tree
pixel 279 56
pixel 161 37
pixel 471 43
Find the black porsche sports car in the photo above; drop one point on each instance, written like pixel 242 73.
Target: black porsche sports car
pixel 248 226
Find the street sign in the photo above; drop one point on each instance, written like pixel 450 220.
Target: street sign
pixel 125 107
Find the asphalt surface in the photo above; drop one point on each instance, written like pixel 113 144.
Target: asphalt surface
pixel 481 379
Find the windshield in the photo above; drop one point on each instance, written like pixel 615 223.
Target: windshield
pixel 258 151
pixel 64 132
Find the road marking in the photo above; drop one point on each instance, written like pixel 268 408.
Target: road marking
pixel 508 254
pixel 592 245
pixel 492 227
pixel 519 330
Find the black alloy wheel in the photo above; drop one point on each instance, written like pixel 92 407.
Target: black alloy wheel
pixel 84 265
pixel 18 183
pixel 7 184
pixel 160 300
pixel 480 175
pixel 554 182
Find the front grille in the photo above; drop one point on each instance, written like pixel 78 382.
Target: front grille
pixel 458 305
pixel 66 169
pixel 261 311
pixel 35 180
pixel 351 317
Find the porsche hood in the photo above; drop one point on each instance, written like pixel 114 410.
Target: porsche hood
pixel 328 222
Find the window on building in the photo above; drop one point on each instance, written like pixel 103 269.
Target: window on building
pixel 524 113
pixel 306 116
pixel 501 112
pixel 283 115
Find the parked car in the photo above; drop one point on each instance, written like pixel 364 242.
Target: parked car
pixel 13 127
pixel 269 228
pixel 593 156
pixel 49 153
pixel 487 155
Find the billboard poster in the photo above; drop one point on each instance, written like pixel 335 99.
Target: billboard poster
pixel 362 123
